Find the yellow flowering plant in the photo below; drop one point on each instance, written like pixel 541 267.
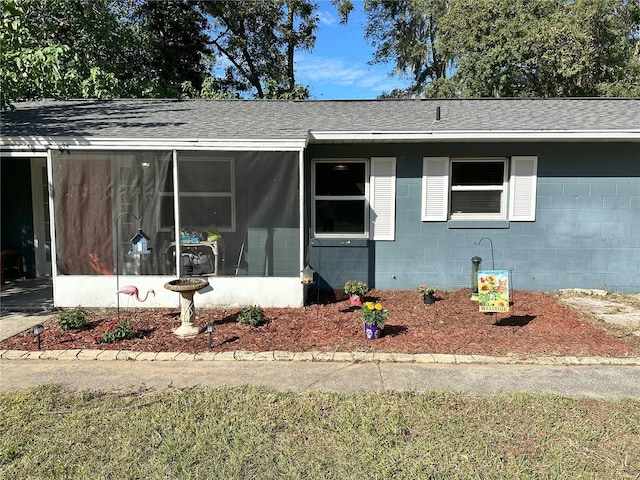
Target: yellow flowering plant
pixel 373 314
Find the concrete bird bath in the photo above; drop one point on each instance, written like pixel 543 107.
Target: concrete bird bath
pixel 186 287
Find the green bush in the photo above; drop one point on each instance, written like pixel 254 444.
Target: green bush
pixel 117 330
pixel 251 316
pixel 72 319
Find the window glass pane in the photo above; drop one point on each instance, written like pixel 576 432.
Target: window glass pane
pixel 340 216
pixel 476 202
pixel 340 178
pixel 477 173
pixel 204 176
pixel 206 185
pixel 196 212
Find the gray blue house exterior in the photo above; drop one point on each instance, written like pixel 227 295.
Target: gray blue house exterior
pixel 392 192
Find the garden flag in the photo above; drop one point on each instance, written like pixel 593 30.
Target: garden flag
pixel 493 290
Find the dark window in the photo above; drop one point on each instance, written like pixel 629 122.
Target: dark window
pixel 340 197
pixel 477 188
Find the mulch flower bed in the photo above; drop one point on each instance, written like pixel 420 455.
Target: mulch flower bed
pixel 537 324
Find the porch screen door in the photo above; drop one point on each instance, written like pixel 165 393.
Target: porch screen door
pixel 41 220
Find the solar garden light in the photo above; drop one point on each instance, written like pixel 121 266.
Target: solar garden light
pixel 210 333
pixel 37 330
pixel 475 266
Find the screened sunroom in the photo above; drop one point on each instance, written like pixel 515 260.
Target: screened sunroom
pixel 232 216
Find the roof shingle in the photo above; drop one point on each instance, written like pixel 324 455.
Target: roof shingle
pixel 264 119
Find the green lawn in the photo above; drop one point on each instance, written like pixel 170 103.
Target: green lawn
pixel 252 432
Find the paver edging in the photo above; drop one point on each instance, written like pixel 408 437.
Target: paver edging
pixel 314 356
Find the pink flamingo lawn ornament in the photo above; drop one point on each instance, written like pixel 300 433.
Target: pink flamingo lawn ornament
pixel 132 291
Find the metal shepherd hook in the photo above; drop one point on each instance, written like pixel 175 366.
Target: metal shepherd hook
pixel 493 265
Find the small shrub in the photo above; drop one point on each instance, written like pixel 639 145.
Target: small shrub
pixel 251 316
pixel 116 330
pixel 72 319
pixel 355 287
pixel 425 289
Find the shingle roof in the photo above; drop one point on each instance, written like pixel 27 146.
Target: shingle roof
pixel 263 119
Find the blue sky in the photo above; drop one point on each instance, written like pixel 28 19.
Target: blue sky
pixel 337 67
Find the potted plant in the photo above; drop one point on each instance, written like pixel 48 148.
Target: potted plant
pixel 427 293
pixel 373 315
pixel 355 289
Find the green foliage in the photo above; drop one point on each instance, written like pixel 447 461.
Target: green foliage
pixel 253 316
pixel 404 32
pixel 101 48
pixel 425 289
pixel 373 314
pixel 116 330
pixel 507 48
pixel 258 40
pixel 72 319
pixel 545 48
pixel 355 287
pixel 27 65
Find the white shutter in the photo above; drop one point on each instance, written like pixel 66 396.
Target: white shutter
pixel 522 189
pixel 435 189
pixel 382 186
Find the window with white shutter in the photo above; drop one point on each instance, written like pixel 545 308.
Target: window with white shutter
pixel 382 184
pixel 522 188
pixel 477 188
pixel 435 189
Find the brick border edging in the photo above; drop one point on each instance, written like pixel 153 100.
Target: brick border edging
pixel 350 357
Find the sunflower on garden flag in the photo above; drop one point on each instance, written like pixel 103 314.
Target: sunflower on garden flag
pixel 493 290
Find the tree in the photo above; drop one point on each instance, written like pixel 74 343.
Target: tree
pixel 545 48
pixel 174 47
pixel 406 32
pixel 27 66
pixel 258 40
pixel 101 48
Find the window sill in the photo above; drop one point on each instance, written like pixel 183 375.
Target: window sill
pixel 338 242
pixel 495 224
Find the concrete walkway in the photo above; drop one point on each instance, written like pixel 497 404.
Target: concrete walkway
pixel 593 381
pixel 12 324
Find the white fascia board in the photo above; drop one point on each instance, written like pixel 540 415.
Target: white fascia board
pixel 474 136
pixel 95 143
pixel 31 153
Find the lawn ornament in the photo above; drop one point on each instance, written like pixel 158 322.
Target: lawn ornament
pixel 133 292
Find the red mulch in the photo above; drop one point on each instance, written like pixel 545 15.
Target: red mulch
pixel 536 324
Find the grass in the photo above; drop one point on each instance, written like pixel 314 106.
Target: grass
pixel 254 432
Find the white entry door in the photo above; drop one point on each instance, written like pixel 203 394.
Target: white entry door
pixel 41 217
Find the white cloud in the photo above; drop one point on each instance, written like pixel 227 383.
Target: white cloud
pixel 327 18
pixel 359 79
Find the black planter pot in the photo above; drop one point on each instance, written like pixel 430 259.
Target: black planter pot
pixel 428 299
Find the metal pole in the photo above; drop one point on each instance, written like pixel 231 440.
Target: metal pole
pixel 493 265
pixel 139 220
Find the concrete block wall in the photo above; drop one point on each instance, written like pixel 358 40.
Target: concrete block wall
pixel 586 233
pixel 340 260
pixel 273 252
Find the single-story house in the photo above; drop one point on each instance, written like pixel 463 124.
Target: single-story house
pixel 393 192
